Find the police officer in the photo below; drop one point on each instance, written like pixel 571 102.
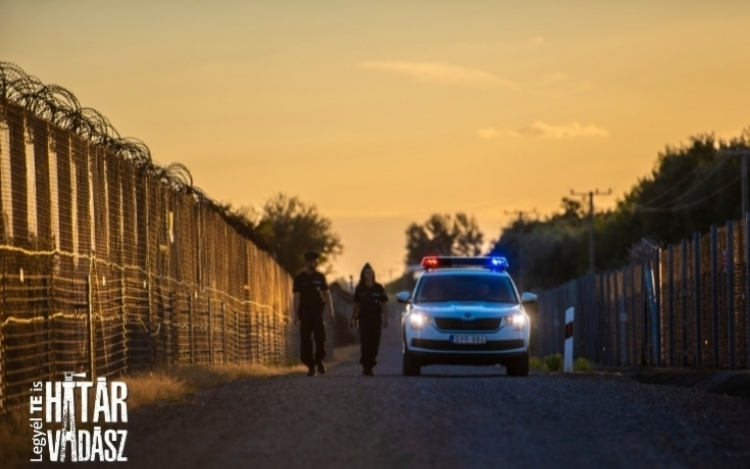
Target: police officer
pixel 311 298
pixel 370 314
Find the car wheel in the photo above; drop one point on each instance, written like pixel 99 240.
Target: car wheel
pixel 410 365
pixel 519 366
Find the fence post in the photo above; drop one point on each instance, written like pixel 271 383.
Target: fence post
pixel 191 340
pixel 49 322
pixel 654 338
pixel 90 317
pixel 211 351
pixel 747 286
pixel 729 265
pixel 224 333
pixel 3 375
pixel 169 310
pixel 238 352
pixel 698 299
pixel 633 319
pixel 715 293
pixel 659 308
pixel 670 293
pixel 684 301
pixel 622 319
pixel 123 292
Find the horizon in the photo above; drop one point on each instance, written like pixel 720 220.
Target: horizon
pixel 381 115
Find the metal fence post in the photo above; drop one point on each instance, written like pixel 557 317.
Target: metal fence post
pixel 211 354
pixel 191 325
pixel 49 323
pixel 715 294
pixel 90 317
pixel 747 286
pixel 224 334
pixel 698 298
pixel 729 258
pixel 123 292
pixel 3 354
pixel 670 292
pixel 684 302
pixel 633 319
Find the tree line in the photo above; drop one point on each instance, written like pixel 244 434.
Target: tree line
pixel 690 188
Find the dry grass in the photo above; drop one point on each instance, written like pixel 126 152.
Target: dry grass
pixel 172 384
pixel 160 385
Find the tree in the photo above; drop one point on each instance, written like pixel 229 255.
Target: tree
pixel 288 228
pixel 443 235
pixel 544 253
pixel 689 189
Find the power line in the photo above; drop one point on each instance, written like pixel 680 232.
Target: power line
pixel 743 153
pixel 692 189
pixel 675 186
pixel 677 208
pixel 591 194
pixel 521 214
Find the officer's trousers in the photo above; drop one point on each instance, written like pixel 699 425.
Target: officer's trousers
pixel 312 325
pixel 370 327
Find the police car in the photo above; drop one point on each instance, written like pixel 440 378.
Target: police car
pixel 465 311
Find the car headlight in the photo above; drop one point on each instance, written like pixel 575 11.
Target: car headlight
pixel 517 321
pixel 419 320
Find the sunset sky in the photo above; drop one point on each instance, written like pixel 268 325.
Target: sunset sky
pixel 382 113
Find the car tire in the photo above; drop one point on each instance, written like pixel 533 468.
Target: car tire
pixel 410 365
pixel 518 366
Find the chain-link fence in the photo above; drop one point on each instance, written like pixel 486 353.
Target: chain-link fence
pixel 108 263
pixel 685 305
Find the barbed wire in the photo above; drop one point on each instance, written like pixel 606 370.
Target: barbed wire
pixel 60 107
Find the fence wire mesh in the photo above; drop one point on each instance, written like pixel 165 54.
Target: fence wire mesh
pixel 683 305
pixel 107 266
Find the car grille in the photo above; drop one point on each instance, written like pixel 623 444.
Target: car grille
pixel 458 324
pixel 490 345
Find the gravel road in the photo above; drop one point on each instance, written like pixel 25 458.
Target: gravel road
pixel 450 417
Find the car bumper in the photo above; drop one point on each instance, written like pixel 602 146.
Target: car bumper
pixel 434 346
pixel 466 358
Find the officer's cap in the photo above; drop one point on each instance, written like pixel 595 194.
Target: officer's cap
pixel 310 255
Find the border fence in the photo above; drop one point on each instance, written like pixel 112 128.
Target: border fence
pixel 685 305
pixel 110 263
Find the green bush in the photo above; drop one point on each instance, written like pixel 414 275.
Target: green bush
pixel 554 362
pixel 581 364
pixel 536 363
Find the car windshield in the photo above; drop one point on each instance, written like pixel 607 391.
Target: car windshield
pixel 466 287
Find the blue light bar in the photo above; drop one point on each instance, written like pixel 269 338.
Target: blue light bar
pixel 500 262
pixel 437 262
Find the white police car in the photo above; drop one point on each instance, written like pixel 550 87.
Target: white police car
pixel 465 311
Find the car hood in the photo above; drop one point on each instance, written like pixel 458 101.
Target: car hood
pixel 474 308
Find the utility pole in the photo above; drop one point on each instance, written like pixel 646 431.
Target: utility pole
pixel 591 194
pixel 744 154
pixel 521 214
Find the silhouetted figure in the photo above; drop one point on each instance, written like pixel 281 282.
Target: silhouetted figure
pixel 370 314
pixel 311 298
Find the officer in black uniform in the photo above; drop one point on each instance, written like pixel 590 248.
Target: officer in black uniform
pixel 370 315
pixel 311 298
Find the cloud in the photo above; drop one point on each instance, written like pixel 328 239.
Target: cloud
pixel 541 130
pixel 432 72
pixel 488 132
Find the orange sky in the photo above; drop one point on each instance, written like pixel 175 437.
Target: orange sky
pixel 382 113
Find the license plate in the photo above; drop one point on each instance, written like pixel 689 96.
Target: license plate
pixel 468 339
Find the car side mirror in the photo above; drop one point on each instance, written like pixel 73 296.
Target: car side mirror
pixel 403 297
pixel 527 298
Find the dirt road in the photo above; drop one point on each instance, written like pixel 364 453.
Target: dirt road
pixel 449 417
